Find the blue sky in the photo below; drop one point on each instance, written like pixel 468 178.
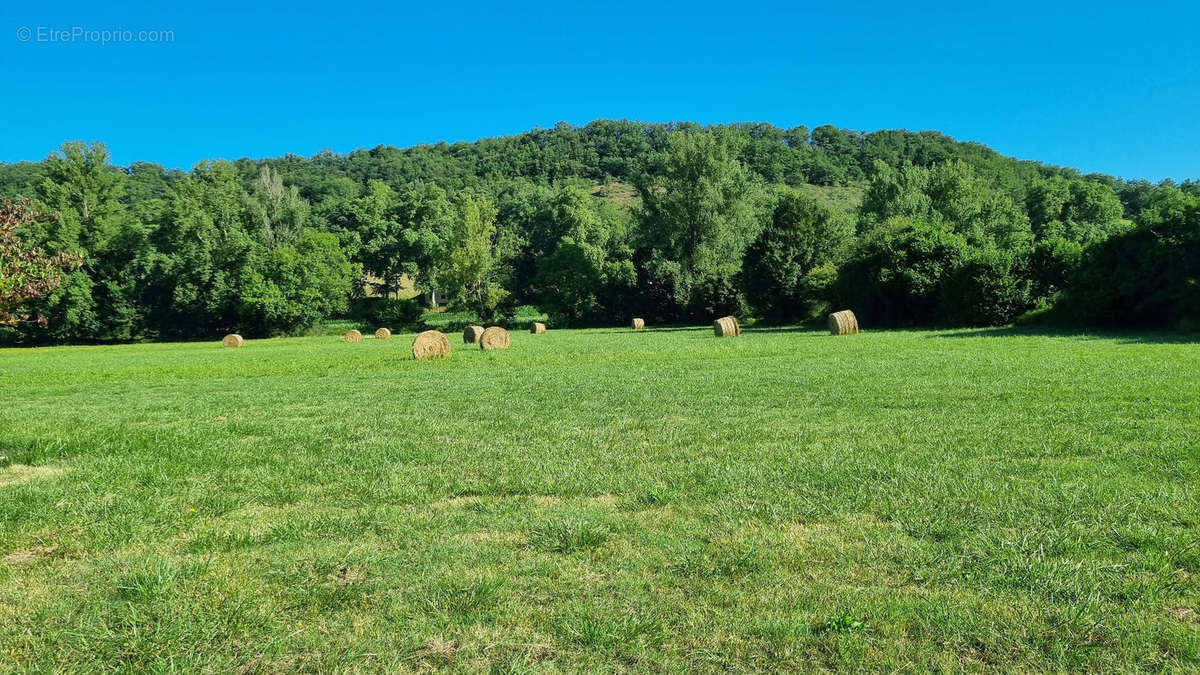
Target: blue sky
pixel 1111 87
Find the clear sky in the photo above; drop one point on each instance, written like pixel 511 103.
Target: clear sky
pixel 1101 86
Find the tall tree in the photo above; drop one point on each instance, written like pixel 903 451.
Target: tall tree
pixel 430 222
pixel 789 267
pixel 581 275
pixel 469 271
pixel 277 210
pixel 26 273
pixel 205 254
pixel 375 217
pixel 98 301
pixel 298 285
pixel 698 216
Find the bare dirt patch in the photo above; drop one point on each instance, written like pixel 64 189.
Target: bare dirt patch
pixel 1185 614
pixel 606 500
pixel 22 473
pixel 348 576
pixel 496 537
pixel 29 555
pixel 437 649
pixel 468 500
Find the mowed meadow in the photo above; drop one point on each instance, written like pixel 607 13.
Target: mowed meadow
pixel 604 500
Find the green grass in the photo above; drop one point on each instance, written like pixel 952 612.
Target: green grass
pixel 604 500
pixel 455 321
pixel 840 198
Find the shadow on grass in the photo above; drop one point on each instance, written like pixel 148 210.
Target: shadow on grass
pixel 760 328
pixel 1124 336
pixel 809 331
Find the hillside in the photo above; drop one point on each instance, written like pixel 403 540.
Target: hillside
pixel 592 224
pixel 616 149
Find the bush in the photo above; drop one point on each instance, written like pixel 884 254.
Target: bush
pixel 298 286
pixel 897 273
pixel 1052 264
pixel 987 288
pixel 802 237
pixel 396 313
pixel 1146 277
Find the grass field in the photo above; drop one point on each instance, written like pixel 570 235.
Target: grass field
pixel 604 500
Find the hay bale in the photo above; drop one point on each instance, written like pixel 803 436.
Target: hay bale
pixel 383 334
pixel 233 341
pixel 639 324
pixel 727 326
pixel 353 336
pixel 431 344
pixel 494 337
pixel 471 334
pixel 537 328
pixel 843 323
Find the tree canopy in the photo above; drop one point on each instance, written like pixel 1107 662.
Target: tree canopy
pixel 593 224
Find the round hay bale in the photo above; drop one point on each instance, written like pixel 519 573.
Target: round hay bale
pixel 727 326
pixel 639 324
pixel 471 334
pixel 233 341
pixel 537 328
pixel 383 334
pixel 843 323
pixel 353 336
pixel 431 344
pixel 494 337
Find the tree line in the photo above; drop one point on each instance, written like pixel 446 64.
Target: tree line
pixel 593 225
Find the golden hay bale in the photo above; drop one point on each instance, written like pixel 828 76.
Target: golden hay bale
pixel 494 337
pixel 383 334
pixel 471 334
pixel 727 326
pixel 353 336
pixel 639 324
pixel 233 341
pixel 537 328
pixel 843 323
pixel 431 344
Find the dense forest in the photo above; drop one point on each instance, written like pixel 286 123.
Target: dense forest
pixel 593 225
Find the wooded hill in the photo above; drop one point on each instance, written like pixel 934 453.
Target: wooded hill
pixel 593 224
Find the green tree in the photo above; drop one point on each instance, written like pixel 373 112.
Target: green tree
pixel 298 285
pixel 469 271
pixel 98 300
pixel 276 209
pixel 698 216
pixel 375 217
pixel 950 194
pixel 205 255
pixel 26 273
pixel 1076 210
pixel 525 216
pixel 589 269
pixel 898 272
pixel 987 287
pixel 803 236
pixel 430 220
pixel 1146 277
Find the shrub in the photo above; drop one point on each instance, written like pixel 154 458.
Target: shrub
pixel 1146 277
pixel 803 237
pixel 398 313
pixel 987 288
pixel 896 275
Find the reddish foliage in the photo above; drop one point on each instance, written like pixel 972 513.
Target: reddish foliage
pixel 26 273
